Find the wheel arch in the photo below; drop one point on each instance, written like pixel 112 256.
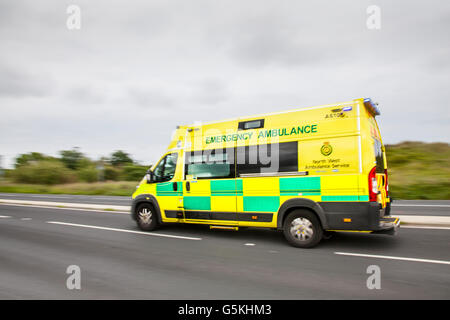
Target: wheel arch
pixel 308 204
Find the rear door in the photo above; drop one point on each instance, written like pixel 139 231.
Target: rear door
pixel 379 152
pixel 380 170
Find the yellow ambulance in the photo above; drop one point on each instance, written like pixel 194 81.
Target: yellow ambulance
pixel 308 172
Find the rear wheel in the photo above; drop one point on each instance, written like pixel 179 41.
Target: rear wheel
pixel 146 217
pixel 302 229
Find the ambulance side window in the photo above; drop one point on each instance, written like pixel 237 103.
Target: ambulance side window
pixel 267 158
pixel 210 164
pixel 379 159
pixel 252 124
pixel 165 170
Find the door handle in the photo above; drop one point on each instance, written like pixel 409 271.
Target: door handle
pixel 175 186
pixel 188 186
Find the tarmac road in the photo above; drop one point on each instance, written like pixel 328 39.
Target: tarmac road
pixel 117 261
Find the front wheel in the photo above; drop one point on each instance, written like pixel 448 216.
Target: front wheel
pixel 146 217
pixel 302 229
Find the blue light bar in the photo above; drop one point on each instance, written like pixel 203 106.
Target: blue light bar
pixel 372 107
pixel 348 108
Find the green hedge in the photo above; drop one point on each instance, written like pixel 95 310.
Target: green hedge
pixel 133 172
pixel 43 172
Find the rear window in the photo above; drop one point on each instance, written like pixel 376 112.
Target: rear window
pixel 379 157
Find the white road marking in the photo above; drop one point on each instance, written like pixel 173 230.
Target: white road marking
pixel 5 216
pixel 421 205
pixel 65 208
pixel 425 227
pixel 249 244
pixel 392 257
pixel 123 230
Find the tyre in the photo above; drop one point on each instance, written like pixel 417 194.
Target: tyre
pixel 146 217
pixel 302 229
pixel 327 235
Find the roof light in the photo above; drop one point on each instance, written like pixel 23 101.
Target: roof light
pixel 371 106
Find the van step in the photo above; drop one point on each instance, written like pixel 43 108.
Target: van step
pixel 388 225
pixel 224 227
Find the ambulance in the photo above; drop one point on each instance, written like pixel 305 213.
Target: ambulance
pixel 306 172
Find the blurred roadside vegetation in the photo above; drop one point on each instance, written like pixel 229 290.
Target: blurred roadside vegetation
pixel 73 172
pixel 417 170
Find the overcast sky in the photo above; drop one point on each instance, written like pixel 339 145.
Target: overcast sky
pixel 136 69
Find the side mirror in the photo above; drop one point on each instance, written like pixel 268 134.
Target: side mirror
pixel 149 176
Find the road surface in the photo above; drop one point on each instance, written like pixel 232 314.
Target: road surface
pixel 117 261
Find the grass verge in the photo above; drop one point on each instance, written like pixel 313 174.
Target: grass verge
pixel 419 170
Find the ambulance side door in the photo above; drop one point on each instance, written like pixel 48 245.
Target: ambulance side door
pixel 169 189
pixel 210 186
